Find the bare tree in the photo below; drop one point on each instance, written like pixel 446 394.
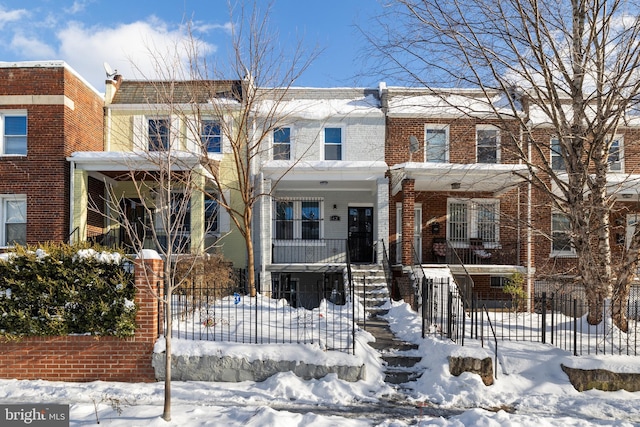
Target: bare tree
pixel 267 69
pixel 223 112
pixel 569 66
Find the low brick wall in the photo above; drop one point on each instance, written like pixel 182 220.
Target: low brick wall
pixel 90 358
pixel 77 358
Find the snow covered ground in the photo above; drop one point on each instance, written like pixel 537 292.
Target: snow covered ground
pixel 531 389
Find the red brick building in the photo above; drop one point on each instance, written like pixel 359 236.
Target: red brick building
pixel 47 112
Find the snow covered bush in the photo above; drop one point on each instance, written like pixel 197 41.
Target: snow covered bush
pixel 60 289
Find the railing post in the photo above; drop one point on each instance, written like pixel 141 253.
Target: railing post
pixel 575 327
pixel 424 305
pixel 544 318
pixel 449 315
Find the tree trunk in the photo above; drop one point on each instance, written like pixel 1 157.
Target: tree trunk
pixel 166 414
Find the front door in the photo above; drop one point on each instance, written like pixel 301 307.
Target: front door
pixel 361 234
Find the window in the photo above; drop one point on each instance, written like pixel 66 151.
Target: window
pixel 14 134
pixel 487 144
pixel 284 220
pixel 332 143
pixel 498 281
pixel 310 220
pixel 13 214
pixel 211 136
pixel 560 235
pixel 557 161
pixel 282 144
pixel 298 219
pixel 173 221
pixel 159 134
pixel 436 144
pixel 616 155
pixel 473 219
pixel 211 212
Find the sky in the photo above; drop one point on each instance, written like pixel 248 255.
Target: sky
pixel 530 390
pixel 87 33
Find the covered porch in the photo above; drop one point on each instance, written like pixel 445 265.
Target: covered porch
pixel 117 201
pixel 466 214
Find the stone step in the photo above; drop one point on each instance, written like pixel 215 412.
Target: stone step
pixel 400 377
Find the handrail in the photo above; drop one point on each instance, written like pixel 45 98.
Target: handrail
pixel 76 233
pixel 495 339
pixel 352 293
pixel 387 267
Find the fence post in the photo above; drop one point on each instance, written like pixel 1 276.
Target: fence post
pixel 449 315
pixel 424 305
pixel 544 318
pixel 148 268
pixel 575 327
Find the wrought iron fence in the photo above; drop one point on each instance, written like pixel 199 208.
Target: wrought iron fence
pixel 558 318
pixel 214 313
pixel 299 251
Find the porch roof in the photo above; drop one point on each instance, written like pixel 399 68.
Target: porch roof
pixel 476 177
pixel 118 161
pixel 322 172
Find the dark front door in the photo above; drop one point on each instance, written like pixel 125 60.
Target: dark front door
pixel 361 234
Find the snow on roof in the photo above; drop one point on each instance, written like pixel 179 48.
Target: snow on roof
pixel 445 103
pixel 321 108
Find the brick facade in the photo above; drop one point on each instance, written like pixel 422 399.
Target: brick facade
pixel 64 115
pixel 91 358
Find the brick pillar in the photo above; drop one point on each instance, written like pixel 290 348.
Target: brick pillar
pixel 408 216
pixel 148 279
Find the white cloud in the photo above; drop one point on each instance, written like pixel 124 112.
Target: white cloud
pixel 78 6
pixel 129 48
pixel 7 16
pixel 32 49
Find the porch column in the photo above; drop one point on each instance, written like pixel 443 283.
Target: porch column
pixel 408 215
pixel 197 213
pixel 79 204
pixel 265 238
pixel 383 217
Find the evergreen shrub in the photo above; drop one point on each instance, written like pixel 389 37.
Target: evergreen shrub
pixel 60 289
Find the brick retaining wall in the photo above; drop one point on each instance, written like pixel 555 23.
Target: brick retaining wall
pixel 91 358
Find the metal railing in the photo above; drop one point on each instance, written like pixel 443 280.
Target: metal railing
pixel 298 251
pixel 468 253
pixel 229 314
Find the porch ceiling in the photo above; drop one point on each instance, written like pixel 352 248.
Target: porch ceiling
pixel 325 175
pixel 477 177
pixel 113 162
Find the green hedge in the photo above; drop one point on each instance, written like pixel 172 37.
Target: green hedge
pixel 61 289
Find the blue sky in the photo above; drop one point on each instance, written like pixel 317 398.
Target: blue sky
pixel 87 33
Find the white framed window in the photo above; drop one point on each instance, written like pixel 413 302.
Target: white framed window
pixel 436 144
pixel 158 133
pixel 211 135
pixel 487 144
pixel 14 133
pixel 13 217
pixel 298 219
pixel 333 138
pixel 473 219
pixel 616 155
pixel 282 143
pixel 557 160
pixel 561 235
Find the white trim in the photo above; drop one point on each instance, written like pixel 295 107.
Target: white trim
pixel 343 137
pixel 4 198
pixel 498 144
pixel 437 127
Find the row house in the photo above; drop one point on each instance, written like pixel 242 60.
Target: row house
pixel 47 112
pixel 456 185
pixel 359 175
pixel 153 129
pixel 325 175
